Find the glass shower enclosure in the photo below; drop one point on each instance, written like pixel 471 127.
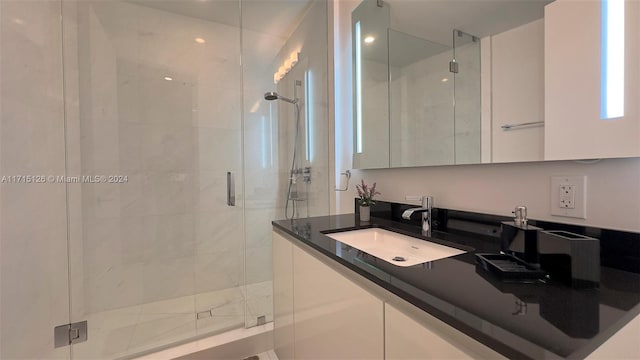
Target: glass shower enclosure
pixel 168 166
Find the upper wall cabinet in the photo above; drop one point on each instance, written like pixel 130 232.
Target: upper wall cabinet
pixel 591 79
pixel 467 82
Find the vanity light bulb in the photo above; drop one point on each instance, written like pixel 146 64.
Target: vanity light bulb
pixel 369 39
pixel 199 40
pixel 293 58
pixel 168 78
pixel 445 79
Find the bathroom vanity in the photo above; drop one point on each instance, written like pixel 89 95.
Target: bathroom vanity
pixel 332 300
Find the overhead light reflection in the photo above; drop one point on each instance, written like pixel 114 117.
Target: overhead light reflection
pixel 255 107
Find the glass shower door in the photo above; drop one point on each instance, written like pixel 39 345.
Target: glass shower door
pixel 153 109
pixel 421 96
pixel 145 111
pixel 34 287
pixel 273 32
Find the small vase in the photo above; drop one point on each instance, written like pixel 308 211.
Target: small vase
pixel 365 213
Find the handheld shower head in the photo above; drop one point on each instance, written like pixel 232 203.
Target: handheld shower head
pixel 272 95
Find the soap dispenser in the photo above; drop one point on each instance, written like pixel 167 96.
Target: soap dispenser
pixel 520 239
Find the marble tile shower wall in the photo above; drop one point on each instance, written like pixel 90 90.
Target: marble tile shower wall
pixel 167 232
pixel 420 83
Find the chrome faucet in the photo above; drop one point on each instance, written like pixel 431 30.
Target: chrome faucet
pixel 520 214
pixel 425 209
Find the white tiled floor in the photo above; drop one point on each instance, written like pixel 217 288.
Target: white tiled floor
pixel 127 331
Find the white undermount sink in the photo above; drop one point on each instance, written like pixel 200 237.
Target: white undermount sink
pixel 394 248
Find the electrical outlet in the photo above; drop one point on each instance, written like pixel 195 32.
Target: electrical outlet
pixel 569 196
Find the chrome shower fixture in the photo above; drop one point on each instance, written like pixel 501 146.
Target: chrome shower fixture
pixel 292 193
pixel 272 95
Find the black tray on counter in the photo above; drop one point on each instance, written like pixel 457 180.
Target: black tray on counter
pixel 508 268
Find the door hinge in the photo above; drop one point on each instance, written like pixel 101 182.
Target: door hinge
pixel 453 66
pixel 65 335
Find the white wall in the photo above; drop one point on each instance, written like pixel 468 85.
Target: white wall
pixel 343 99
pixel 613 189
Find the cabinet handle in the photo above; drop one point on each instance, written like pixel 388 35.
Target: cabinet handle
pixel 231 190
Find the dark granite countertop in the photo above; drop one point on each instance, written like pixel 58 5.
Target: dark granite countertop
pixel 556 322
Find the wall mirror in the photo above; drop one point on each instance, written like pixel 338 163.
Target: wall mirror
pixel 490 81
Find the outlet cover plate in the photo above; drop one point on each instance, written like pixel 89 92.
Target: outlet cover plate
pixel 579 209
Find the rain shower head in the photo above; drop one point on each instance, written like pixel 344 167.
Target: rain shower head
pixel 272 95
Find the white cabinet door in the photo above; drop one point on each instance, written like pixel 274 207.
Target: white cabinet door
pixel 574 125
pixel 406 338
pixel 334 318
pixel 516 62
pixel 282 297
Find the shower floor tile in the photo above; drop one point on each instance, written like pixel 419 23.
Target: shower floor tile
pixel 268 355
pixel 137 329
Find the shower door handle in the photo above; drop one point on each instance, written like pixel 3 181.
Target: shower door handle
pixel 231 190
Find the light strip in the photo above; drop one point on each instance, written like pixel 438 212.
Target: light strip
pixel 309 114
pixel 271 138
pixel 612 60
pixel 358 89
pixel 263 129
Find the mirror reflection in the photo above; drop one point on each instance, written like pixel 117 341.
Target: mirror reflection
pixel 488 81
pixel 434 94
